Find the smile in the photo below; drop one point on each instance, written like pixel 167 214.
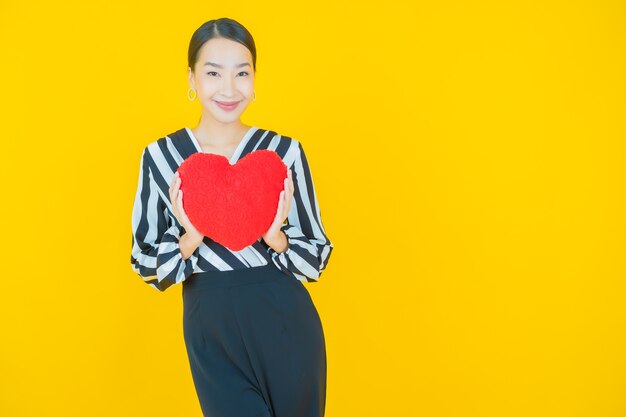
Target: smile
pixel 227 105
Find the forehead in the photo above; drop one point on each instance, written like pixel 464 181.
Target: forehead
pixel 223 51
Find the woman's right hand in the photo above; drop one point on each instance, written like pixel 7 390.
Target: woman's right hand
pixel 176 197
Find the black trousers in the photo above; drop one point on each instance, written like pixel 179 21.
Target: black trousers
pixel 255 344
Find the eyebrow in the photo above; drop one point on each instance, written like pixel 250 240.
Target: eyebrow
pixel 243 64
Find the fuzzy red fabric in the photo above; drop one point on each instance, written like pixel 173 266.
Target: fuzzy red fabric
pixel 232 204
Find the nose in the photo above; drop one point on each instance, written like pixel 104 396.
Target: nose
pixel 227 87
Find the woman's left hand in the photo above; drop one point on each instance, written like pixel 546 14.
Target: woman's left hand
pixel 272 236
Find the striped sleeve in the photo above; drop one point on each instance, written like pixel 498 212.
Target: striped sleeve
pixel 309 247
pixel 155 253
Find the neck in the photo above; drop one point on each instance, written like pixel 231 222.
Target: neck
pixel 212 132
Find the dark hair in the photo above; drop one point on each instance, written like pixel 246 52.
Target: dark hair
pixel 220 28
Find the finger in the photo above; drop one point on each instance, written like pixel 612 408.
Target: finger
pixel 287 205
pixel 274 224
pixel 179 204
pixel 291 180
pixel 176 187
pixel 289 188
pixel 183 215
pixel 174 194
pixel 175 184
pixel 279 210
pixel 280 216
pixel 280 199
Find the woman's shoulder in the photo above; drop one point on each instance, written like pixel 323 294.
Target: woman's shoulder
pixel 273 134
pixel 281 140
pixel 179 139
pixel 287 146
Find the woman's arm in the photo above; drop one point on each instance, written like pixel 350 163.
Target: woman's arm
pixel 308 247
pixel 189 243
pixel 156 254
pixel 281 243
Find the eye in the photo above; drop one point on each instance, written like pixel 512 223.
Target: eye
pixel 244 72
pixel 211 72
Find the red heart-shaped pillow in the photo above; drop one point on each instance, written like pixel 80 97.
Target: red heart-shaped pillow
pixel 232 204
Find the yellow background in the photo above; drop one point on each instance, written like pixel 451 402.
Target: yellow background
pixel 469 163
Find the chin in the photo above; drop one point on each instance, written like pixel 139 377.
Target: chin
pixel 226 119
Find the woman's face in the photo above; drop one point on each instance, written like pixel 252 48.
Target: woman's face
pixel 223 74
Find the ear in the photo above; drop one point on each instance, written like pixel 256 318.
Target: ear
pixel 191 78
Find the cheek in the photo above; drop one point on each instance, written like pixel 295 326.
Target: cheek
pixel 207 83
pixel 206 86
pixel 246 84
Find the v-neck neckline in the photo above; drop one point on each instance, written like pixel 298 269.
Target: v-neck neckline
pixel 236 153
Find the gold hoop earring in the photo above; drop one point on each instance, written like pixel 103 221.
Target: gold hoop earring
pixel 254 99
pixel 195 95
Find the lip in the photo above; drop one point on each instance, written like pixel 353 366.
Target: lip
pixel 225 105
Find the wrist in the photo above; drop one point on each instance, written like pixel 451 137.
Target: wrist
pixel 192 238
pixel 188 243
pixel 280 243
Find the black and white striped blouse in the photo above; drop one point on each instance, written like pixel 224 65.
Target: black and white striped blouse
pixel 156 256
